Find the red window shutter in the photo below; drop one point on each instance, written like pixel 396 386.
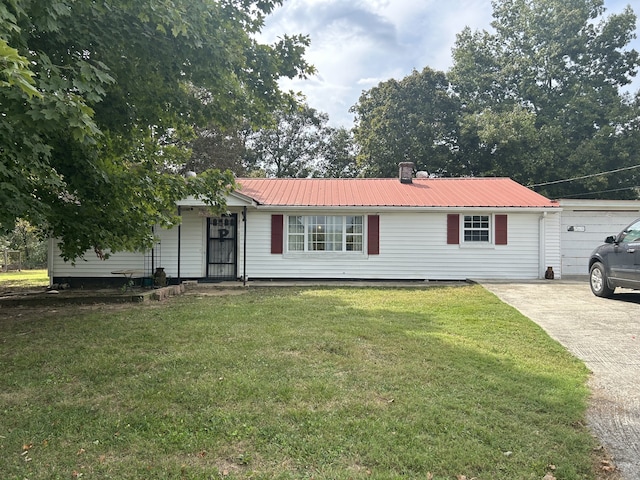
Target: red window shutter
pixel 277 226
pixel 453 229
pixel 501 230
pixel 373 234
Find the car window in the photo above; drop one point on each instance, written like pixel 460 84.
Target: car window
pixel 631 234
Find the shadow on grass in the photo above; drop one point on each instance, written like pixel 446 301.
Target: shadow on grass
pixel 342 383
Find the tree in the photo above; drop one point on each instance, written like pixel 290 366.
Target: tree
pixel 26 239
pixel 541 96
pixel 413 119
pixel 292 146
pixel 339 158
pixel 217 148
pixel 99 100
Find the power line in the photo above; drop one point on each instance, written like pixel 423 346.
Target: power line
pixel 601 191
pixel 583 177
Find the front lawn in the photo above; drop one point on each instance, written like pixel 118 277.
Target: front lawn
pixel 320 383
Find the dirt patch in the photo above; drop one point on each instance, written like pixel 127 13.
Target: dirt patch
pixel 604 465
pixel 33 312
pixel 36 303
pixel 44 297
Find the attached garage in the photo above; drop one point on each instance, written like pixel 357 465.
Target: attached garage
pixel 586 223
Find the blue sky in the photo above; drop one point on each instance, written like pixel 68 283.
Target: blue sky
pixel 356 44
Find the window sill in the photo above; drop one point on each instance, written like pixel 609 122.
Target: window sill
pixel 478 245
pixel 323 255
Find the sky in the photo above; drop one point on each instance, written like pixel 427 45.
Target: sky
pixel 356 44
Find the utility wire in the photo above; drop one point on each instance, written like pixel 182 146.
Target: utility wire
pixel 583 177
pixel 602 191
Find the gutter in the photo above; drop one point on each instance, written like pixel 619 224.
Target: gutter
pixel 396 208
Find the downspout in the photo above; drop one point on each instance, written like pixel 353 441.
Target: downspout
pixel 244 247
pixel 179 240
pixel 542 245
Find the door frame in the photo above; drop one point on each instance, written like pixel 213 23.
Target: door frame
pixel 234 237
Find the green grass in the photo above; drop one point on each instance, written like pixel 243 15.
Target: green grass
pixel 289 384
pixel 24 279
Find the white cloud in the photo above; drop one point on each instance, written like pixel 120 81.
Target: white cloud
pixel 357 44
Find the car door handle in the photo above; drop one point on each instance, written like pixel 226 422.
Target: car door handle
pixel 631 250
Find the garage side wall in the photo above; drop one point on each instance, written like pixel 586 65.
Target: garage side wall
pixel 550 239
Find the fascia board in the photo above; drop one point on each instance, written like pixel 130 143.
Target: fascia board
pixel 376 208
pixel 198 202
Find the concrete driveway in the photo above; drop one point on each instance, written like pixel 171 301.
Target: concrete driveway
pixel 605 334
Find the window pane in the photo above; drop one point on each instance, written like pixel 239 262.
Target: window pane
pixel 317 232
pixel 296 234
pixel 476 236
pixel 296 243
pixel 296 224
pixel 320 233
pixel 354 243
pixel 355 228
pixel 632 234
pixel 333 240
pixel 354 224
pixel 476 228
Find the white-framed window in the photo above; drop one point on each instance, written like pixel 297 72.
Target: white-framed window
pixel 325 233
pixel 476 228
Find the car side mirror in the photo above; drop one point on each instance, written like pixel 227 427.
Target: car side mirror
pixel 610 239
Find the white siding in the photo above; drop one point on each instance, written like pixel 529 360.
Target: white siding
pixel 412 246
pixel 551 244
pixel 193 231
pixel 591 225
pixel 92 266
pixel 165 254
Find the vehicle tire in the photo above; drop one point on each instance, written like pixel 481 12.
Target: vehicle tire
pixel 598 281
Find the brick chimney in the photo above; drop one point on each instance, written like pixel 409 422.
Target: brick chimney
pixel 406 172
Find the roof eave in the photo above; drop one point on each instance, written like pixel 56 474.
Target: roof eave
pixel 391 208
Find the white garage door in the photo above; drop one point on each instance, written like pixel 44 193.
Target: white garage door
pixel 583 230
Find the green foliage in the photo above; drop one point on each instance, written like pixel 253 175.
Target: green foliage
pixel 26 239
pixel 214 147
pixel 300 143
pixel 413 119
pixel 292 146
pixel 15 70
pixel 536 99
pixel 101 99
pixel 339 158
pixel 292 384
pixel 541 95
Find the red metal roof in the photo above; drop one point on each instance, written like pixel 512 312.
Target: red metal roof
pixel 389 192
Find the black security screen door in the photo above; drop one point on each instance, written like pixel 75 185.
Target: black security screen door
pixel 222 247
